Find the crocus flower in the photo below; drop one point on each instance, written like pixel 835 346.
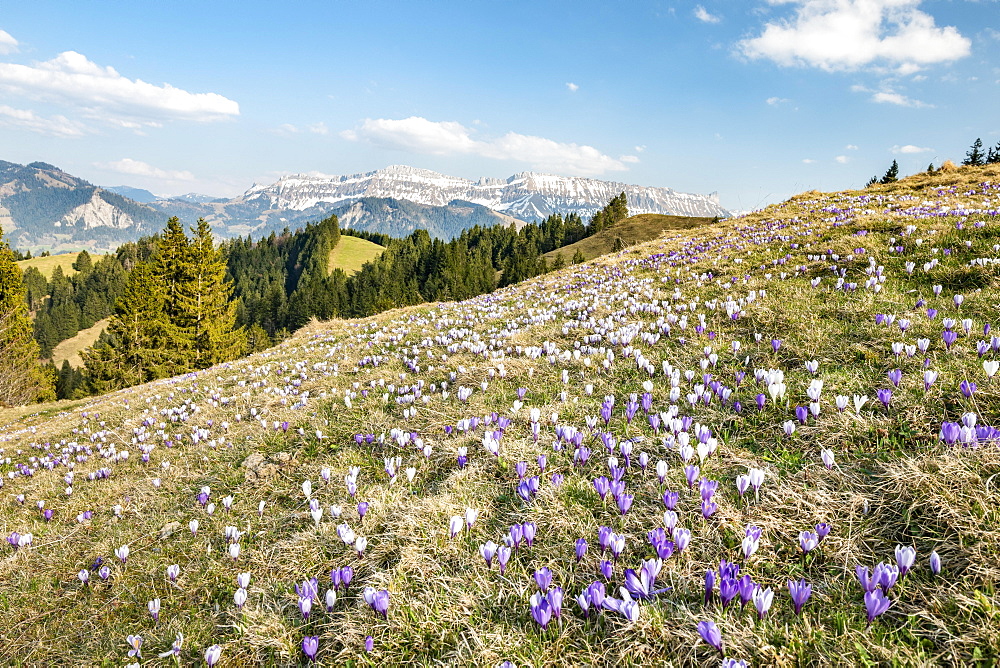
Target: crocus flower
pixel 968 388
pixel 488 550
pixel 240 598
pixel 822 531
pixel 905 558
pixel 826 454
pixel 762 599
pixel 369 643
pixel 310 646
pixel 541 610
pixel 135 642
pixel 543 578
pixel 876 603
pixel 503 556
pixel 710 632
pixel 154 609
pixel 581 548
pixel 455 525
pixel 935 560
pixel 175 647
pixel 212 655
pixel 885 396
pixel 173 571
pixel 800 592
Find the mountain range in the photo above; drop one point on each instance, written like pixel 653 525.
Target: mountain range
pixel 44 208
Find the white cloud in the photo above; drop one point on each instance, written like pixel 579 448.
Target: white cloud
pixel 7 43
pixel 286 129
pixel 910 148
pixel 57 126
pixel 139 168
pixel 842 159
pixel 852 34
pixel 629 158
pixel 572 86
pixel 808 161
pixel 639 149
pixel 704 16
pixel 898 99
pixel 102 93
pixel 851 147
pixel 420 135
pixel 888 96
pixel 775 101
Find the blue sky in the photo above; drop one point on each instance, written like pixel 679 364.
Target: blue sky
pixel 755 99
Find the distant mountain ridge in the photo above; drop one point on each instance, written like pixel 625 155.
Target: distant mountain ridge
pixel 44 208
pixel 526 195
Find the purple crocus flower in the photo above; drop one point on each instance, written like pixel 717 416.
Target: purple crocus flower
pixel 603 486
pixel 488 550
pixel 822 530
pixel 800 592
pixel 709 585
pixel 708 508
pixel 607 569
pixel 935 561
pixel 541 610
pixel 625 502
pixel 691 472
pixel 369 644
pixel 761 399
pixel 895 376
pixel 529 529
pixel 905 558
pixel 581 548
pixel 503 556
pixel 808 541
pixel 876 603
pixel 949 338
pixel 670 499
pixel 885 396
pixel 968 388
pixel 310 646
pixel 710 633
pixel 543 578
pixel 801 414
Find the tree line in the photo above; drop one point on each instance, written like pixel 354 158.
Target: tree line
pixel 178 303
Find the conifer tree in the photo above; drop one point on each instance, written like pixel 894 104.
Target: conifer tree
pixel 209 318
pixel 974 156
pixel 172 270
pixel 137 346
pixel 22 379
pixel 892 174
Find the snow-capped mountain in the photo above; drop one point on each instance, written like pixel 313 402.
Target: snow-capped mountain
pixel 527 195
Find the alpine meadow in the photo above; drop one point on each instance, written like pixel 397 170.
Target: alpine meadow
pixel 445 334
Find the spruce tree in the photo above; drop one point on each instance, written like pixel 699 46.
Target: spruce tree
pixel 22 380
pixel 208 316
pixel 137 346
pixel 892 174
pixel 974 156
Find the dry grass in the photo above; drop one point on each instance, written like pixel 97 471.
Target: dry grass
pixel 894 483
pixel 71 348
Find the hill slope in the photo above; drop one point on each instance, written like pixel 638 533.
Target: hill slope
pixel 351 253
pixel 658 353
pixel 631 231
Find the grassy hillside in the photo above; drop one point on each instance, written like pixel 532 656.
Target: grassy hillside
pixel 547 408
pixel 47 265
pixel 351 253
pixel 632 230
pixel 71 348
